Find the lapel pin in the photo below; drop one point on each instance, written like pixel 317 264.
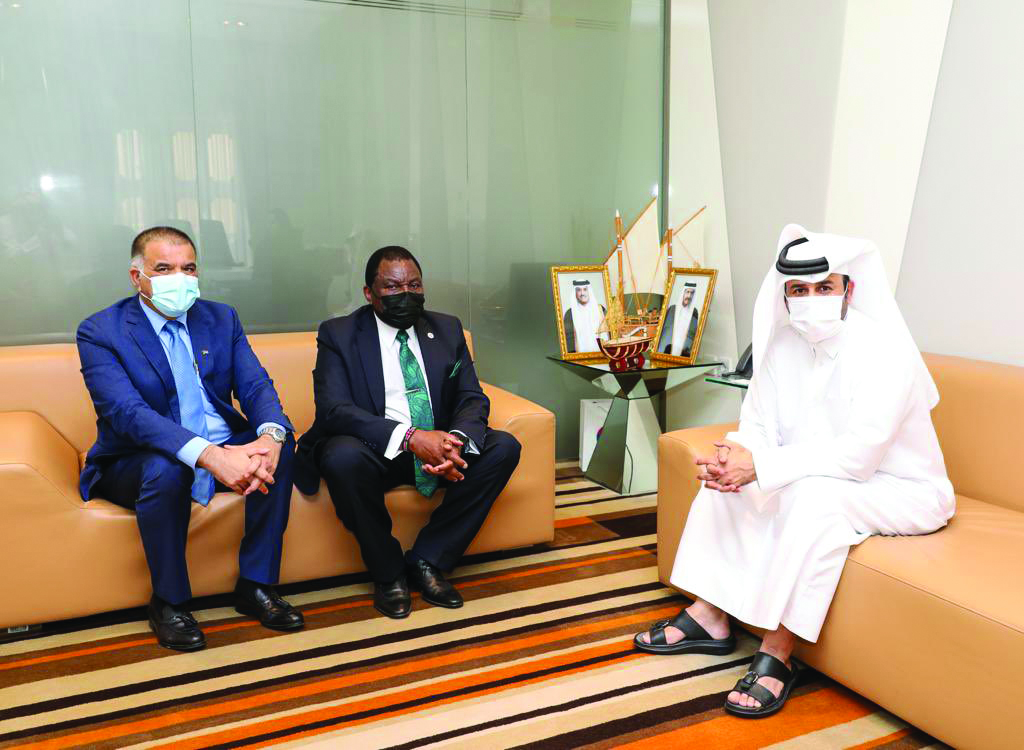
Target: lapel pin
pixel 430 335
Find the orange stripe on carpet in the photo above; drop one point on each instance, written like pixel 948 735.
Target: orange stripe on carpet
pixel 123 645
pixel 559 566
pixel 75 654
pixel 383 702
pixel 336 683
pixel 563 523
pixel 503 577
pixel 802 714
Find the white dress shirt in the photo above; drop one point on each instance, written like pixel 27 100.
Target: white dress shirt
pixel 396 403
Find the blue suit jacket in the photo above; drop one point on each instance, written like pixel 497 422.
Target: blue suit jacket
pixel 132 388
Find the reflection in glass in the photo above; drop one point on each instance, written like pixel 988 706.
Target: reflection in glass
pixel 292 138
pixel 183 146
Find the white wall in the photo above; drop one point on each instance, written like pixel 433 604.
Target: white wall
pixel 695 180
pixel 776 81
pixel 824 109
pixel 960 285
pixel 891 55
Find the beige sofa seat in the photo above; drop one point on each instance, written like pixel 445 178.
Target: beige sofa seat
pixel 929 627
pixel 62 557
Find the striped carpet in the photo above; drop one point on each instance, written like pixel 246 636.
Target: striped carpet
pixel 540 657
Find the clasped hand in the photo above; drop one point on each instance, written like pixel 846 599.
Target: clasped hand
pixel 244 468
pixel 440 454
pixel 731 467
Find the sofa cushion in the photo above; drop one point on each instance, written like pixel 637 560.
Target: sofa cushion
pixel 973 563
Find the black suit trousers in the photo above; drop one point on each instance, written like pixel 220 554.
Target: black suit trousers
pixel 357 478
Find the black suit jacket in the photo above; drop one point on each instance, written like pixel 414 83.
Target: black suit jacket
pixel 348 386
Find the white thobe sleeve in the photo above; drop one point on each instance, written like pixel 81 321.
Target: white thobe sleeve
pixel 757 429
pixel 882 398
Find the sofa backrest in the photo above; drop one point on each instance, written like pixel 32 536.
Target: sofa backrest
pixel 980 424
pixel 47 379
pixel 289 359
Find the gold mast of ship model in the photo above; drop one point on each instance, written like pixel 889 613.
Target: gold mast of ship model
pixel 619 242
pixel 669 234
pixel 614 318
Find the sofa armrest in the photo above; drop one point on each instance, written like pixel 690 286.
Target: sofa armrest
pixel 508 408
pixel 678 484
pixel 525 511
pixel 37 465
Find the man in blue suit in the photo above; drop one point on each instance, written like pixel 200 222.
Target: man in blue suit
pixel 161 368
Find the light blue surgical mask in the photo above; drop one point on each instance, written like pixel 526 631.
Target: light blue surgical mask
pixel 173 293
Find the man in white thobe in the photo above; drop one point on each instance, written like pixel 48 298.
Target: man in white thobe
pixel 835 444
pixel 681 322
pixel 582 320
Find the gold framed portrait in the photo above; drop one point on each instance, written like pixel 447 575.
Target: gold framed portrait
pixel 684 313
pixel 581 295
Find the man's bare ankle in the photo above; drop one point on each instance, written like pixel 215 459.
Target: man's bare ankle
pixel 780 654
pixel 710 619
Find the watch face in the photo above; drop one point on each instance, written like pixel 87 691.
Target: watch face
pixel 275 433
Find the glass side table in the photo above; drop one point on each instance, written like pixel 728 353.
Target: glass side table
pixel 626 457
pixel 731 381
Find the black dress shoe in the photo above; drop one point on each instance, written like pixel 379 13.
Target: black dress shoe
pixel 261 601
pixel 175 627
pixel 431 583
pixel 392 599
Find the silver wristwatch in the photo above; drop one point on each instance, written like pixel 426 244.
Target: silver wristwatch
pixel 276 433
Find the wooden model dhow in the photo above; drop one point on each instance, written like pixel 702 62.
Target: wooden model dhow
pixel 641 262
pixel 638 257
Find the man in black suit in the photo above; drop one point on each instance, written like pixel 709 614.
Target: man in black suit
pixel 398 402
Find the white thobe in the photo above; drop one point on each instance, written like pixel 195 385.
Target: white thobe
pixel 844 448
pixel 586 319
pixel 681 328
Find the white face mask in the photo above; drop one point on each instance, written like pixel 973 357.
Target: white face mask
pixel 173 293
pixel 816 318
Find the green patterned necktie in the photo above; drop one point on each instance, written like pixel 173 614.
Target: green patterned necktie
pixel 419 406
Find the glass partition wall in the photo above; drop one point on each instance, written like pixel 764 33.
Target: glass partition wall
pixel 291 138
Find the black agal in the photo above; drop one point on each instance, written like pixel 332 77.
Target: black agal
pixel 799 267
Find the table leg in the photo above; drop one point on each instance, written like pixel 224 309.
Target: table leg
pixel 626 457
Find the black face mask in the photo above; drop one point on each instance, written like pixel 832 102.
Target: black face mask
pixel 401 310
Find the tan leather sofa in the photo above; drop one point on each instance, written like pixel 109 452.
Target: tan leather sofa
pixel 931 627
pixel 61 557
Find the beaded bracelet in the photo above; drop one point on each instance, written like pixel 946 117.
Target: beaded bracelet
pixel 407 438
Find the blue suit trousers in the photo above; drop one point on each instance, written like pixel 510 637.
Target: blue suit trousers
pixel 159 489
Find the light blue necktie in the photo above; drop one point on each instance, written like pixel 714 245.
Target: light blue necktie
pixel 190 401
